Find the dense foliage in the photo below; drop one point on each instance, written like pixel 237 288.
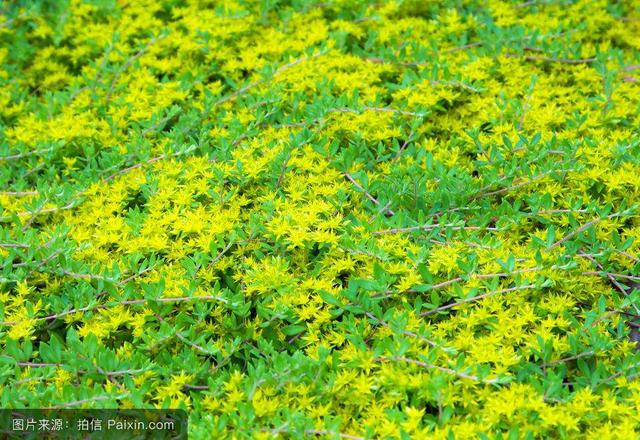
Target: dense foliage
pixel 341 219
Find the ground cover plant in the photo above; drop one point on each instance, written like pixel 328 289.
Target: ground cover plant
pixel 339 219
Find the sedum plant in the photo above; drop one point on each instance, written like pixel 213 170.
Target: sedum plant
pixel 342 219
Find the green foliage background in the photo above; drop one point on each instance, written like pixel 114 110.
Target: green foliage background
pixel 341 219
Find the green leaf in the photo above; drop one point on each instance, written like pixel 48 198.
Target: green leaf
pixel 293 329
pixel 329 298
